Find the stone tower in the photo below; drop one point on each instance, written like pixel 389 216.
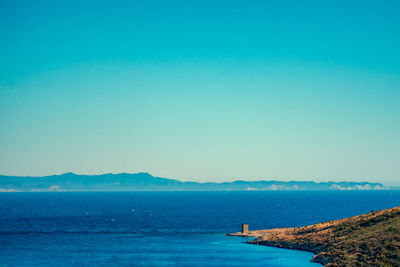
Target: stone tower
pixel 245 228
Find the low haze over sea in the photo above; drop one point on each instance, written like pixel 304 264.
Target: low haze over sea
pixel 165 228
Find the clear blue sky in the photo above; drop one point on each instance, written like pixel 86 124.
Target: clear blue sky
pixel 201 90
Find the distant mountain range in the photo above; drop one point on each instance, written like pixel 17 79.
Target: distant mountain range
pixel 146 182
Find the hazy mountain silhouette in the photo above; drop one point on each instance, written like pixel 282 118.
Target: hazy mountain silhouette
pixel 146 182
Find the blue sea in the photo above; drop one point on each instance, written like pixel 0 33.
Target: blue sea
pixel 165 228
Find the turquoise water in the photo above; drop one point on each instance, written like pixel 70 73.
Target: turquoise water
pixel 164 228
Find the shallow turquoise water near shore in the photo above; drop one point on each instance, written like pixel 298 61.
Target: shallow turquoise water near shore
pixel 165 228
pixel 131 250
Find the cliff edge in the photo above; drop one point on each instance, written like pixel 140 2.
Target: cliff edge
pixel 372 239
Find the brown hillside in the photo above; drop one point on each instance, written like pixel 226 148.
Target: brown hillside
pixel 372 239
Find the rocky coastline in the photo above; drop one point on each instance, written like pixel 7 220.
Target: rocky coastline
pixel 372 239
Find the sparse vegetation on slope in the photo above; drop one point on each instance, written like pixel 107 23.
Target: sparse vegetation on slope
pixel 372 239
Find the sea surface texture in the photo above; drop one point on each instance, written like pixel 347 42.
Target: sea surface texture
pixel 165 228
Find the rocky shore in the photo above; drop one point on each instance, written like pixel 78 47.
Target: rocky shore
pixel 372 239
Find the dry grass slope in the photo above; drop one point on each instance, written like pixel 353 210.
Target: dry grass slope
pixel 372 239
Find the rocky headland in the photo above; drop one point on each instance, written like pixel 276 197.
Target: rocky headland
pixel 372 239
